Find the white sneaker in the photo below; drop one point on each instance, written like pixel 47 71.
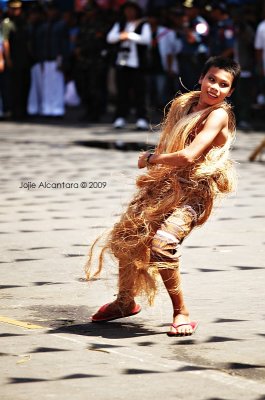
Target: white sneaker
pixel 142 125
pixel 119 123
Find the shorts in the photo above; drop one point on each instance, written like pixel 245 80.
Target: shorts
pixel 165 247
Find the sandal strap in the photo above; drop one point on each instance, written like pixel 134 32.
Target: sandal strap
pixel 177 326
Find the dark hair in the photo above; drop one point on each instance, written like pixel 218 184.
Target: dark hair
pixel 224 63
pixel 134 4
pixel 219 5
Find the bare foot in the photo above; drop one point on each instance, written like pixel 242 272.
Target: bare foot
pixel 184 330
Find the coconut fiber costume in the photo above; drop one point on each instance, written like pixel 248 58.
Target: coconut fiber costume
pixel 169 203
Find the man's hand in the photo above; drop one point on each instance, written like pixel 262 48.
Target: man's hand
pixel 2 65
pixel 190 37
pixel 142 159
pixel 124 36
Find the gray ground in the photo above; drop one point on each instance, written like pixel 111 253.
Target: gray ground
pixel 45 234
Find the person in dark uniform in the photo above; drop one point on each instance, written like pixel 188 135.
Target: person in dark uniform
pixel 163 68
pixel 90 63
pixel 35 20
pixel 222 37
pixel 16 33
pixel 194 39
pixel 244 54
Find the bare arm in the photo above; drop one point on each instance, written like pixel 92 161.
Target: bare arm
pixel 7 53
pixel 202 143
pixel 144 37
pixel 2 64
pixel 114 34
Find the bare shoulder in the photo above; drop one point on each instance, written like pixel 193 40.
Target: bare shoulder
pixel 219 115
pixel 219 119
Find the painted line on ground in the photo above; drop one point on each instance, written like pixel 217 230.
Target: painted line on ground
pixel 22 324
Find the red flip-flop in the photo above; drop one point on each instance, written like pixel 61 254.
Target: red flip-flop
pixel 193 324
pixel 102 315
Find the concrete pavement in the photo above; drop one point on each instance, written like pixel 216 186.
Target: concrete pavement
pixel 49 349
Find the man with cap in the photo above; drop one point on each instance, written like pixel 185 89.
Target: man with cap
pixel 132 35
pixel 14 8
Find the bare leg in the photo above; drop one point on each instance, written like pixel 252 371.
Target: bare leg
pixel 171 279
pixel 124 303
pixel 125 297
pixel 166 253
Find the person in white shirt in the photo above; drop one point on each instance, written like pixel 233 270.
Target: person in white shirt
pixel 132 35
pixel 260 57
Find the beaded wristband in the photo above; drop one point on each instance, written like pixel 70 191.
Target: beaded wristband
pixel 148 158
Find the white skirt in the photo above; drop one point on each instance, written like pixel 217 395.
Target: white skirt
pixel 47 88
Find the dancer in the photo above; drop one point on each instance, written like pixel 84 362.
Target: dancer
pixel 188 170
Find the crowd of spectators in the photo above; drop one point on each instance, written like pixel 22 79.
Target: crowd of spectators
pixel 135 54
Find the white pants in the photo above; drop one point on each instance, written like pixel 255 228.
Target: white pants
pixel 46 95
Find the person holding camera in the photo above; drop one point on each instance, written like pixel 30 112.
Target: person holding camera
pixel 131 35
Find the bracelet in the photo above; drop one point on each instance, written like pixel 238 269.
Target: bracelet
pixel 148 158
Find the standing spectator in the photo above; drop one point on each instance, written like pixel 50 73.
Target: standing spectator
pixel 162 62
pixel 222 37
pixel 244 55
pixel 260 57
pixel 7 26
pixel 195 50
pixel 176 22
pixel 2 67
pixel 90 63
pixel 71 21
pixel 35 19
pixel 18 60
pixel 52 48
pixel 132 36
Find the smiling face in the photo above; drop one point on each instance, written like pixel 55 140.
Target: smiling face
pixel 215 86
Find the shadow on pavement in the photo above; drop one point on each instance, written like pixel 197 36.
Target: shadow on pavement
pixel 114 145
pixel 113 330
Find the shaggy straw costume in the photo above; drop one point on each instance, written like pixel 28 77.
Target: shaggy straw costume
pixel 164 191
